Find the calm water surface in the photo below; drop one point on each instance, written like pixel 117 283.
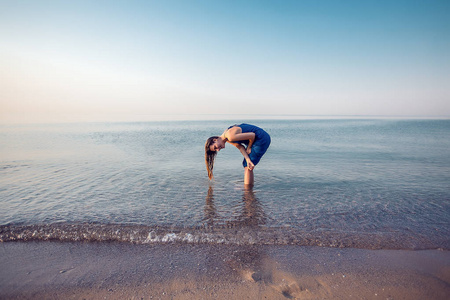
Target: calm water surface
pixel 340 183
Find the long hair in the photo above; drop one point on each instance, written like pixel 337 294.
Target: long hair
pixel 210 156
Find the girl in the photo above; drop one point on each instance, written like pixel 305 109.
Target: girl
pixel 251 141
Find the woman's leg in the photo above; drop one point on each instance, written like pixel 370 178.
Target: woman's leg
pixel 248 177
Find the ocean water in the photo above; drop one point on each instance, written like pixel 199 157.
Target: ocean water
pixel 372 184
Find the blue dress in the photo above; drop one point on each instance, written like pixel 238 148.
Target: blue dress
pixel 260 145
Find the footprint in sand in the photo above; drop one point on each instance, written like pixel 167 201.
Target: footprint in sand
pixel 287 287
pixel 251 275
pixel 290 290
pixel 254 267
pixel 285 283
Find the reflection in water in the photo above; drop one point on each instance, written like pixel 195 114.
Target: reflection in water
pixel 250 211
pixel 210 209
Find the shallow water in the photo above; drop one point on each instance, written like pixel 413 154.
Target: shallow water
pixel 347 183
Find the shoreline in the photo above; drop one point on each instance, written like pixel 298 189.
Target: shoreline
pixel 76 270
pixel 241 232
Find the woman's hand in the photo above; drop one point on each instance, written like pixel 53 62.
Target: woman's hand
pixel 248 150
pixel 250 165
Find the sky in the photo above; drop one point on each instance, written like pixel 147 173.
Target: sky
pixel 76 61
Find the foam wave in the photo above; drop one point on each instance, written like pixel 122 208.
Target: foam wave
pixel 140 234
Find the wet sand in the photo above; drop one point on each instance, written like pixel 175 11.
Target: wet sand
pixel 55 270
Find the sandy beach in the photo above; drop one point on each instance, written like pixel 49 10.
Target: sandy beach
pixel 55 270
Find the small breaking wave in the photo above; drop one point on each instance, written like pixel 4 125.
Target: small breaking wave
pixel 141 234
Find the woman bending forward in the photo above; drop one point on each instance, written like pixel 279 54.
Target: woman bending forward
pixel 251 141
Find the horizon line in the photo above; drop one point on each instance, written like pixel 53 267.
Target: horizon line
pixel 144 118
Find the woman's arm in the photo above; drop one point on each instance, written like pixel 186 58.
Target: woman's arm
pixel 241 148
pixel 235 134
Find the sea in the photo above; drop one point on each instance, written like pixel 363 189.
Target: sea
pixel 358 183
